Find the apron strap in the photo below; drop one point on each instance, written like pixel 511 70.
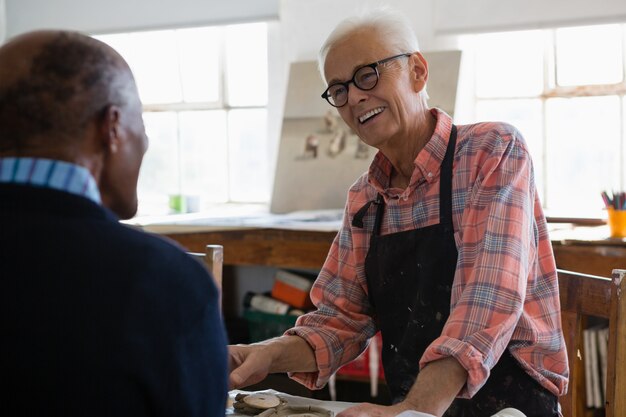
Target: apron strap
pixel 445 191
pixel 379 215
pixel 445 186
pixel 357 220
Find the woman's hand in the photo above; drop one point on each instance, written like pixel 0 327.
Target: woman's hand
pixel 248 365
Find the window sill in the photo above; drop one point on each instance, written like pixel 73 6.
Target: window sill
pixel 578 221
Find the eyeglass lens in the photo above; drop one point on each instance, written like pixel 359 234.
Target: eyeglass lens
pixel 365 78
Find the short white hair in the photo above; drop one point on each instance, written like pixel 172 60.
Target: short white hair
pixel 390 24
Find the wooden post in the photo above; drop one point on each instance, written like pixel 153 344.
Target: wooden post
pixel 215 261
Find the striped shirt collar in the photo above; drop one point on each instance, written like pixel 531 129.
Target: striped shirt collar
pixel 48 173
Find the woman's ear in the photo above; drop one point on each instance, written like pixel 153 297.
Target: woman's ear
pixel 419 71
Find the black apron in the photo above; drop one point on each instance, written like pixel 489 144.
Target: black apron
pixel 409 276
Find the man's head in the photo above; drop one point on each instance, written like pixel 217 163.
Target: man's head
pixel 66 96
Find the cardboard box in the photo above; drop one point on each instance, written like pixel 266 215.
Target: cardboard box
pixel 293 289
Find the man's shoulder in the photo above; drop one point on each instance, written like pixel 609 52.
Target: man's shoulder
pixel 155 262
pixel 157 249
pixel 87 230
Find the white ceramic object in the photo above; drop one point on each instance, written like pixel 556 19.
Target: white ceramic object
pixel 509 412
pixel 412 413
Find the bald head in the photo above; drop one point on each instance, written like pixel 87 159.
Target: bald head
pixel 52 84
pixel 66 96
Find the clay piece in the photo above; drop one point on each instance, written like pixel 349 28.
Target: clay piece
pixel 269 405
pixel 256 403
pixel 262 401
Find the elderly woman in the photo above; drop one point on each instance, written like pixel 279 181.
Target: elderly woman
pixel 443 248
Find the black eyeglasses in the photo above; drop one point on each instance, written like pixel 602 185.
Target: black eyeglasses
pixel 364 78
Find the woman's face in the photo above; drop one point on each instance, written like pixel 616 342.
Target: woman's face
pixel 388 112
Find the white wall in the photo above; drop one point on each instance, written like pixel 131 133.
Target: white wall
pixel 462 16
pixel 97 16
pixel 309 22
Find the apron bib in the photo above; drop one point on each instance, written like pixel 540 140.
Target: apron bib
pixel 409 276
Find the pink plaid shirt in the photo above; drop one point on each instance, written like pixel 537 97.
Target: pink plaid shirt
pixel 505 290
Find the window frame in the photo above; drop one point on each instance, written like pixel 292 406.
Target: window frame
pixel 550 91
pixel 222 104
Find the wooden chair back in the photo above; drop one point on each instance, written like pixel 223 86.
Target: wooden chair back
pixel 213 258
pixel 583 296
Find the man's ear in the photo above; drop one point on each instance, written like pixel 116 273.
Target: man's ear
pixel 110 129
pixel 419 71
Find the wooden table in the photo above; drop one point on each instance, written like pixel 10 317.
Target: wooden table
pixel 580 249
pixel 282 248
pixel 588 250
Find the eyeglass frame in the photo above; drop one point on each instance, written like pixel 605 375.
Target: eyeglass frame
pixel 346 84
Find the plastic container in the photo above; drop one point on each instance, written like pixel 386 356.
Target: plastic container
pixel 360 367
pixel 617 223
pixel 265 304
pixel 263 326
pixel 293 289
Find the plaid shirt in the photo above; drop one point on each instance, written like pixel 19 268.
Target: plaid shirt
pixel 505 290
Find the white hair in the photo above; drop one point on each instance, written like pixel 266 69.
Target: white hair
pixel 391 25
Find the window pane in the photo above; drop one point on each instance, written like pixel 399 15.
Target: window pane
pixel 509 64
pixel 210 155
pixel 199 63
pixel 249 170
pixel 204 153
pixel 526 116
pixel 159 171
pixel 589 55
pixel 246 64
pixel 583 137
pixel 153 58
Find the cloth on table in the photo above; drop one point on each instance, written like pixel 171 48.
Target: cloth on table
pixel 293 405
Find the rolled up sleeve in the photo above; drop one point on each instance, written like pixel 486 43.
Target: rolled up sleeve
pixel 496 244
pixel 339 330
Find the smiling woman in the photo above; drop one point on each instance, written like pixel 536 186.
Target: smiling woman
pixel 391 106
pixel 439 241
pixel 205 113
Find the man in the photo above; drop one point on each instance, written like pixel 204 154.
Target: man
pixel 443 248
pixel 98 319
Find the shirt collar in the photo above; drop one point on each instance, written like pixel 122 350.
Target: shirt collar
pixel 48 173
pixel 428 160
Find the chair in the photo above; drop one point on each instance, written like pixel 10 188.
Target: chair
pixel 583 296
pixel 213 258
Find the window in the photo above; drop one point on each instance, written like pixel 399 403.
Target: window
pixel 564 89
pixel 205 93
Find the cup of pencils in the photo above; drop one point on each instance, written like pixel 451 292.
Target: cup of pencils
pixel 615 203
